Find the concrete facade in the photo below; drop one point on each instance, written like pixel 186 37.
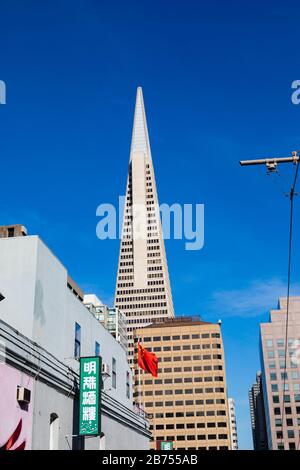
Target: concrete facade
pixel 187 402
pixel 40 311
pixel 282 392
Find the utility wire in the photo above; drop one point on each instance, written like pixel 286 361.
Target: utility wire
pixel 292 194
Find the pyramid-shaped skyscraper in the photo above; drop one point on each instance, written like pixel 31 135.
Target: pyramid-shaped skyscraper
pixel 143 290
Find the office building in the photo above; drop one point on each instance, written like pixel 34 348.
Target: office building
pixel 257 415
pixel 143 290
pixel 281 375
pixel 187 403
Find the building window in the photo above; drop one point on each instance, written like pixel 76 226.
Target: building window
pixel 127 385
pixel 291 434
pixel 114 373
pixel 97 348
pixel 77 345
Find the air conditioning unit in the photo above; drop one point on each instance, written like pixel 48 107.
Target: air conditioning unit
pixel 105 370
pixel 23 395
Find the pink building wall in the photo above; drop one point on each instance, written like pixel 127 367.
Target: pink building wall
pixel 15 420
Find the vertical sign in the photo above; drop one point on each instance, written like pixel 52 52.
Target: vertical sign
pixel 89 399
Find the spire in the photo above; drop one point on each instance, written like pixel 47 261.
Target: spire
pixel 140 138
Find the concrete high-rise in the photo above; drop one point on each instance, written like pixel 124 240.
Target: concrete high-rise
pixel 257 414
pixel 281 375
pixel 187 403
pixel 233 426
pixel 143 290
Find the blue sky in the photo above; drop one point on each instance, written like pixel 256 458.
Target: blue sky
pixel 217 87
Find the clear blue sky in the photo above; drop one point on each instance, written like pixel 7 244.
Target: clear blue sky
pixel 217 84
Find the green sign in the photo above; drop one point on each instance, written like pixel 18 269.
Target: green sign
pixel 89 399
pixel 166 445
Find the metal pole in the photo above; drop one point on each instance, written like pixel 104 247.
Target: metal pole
pixel 271 161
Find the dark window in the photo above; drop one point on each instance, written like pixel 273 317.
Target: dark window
pixel 77 344
pixel 97 348
pixel 127 384
pixel 114 373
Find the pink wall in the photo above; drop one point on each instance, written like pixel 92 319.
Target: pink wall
pixel 14 419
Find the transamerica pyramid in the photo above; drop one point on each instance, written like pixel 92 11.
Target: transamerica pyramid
pixel 143 290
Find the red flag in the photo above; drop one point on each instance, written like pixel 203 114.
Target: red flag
pixel 147 360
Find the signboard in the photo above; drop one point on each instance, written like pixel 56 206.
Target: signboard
pixel 89 398
pixel 165 445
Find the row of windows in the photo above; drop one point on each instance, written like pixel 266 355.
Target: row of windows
pixel 179 337
pixel 139 306
pixel 177 380
pixel 187 391
pixel 141 298
pixel 280 342
pixel 141 291
pixel 217 401
pixel 286 398
pixel 292 446
pixel 288 410
pixel 192 437
pixel 204 357
pixel 189 414
pixel 294 375
pixel 188 425
pixel 147 313
pixel 167 370
pixel 283 365
pixel 289 422
pixel 285 387
pixel 187 347
pixel 290 434
pixel 154 261
pixel 280 353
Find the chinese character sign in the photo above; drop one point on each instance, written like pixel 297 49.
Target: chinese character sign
pixel 89 400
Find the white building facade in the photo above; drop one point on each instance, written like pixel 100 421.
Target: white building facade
pixel 233 426
pixel 43 325
pixel 143 290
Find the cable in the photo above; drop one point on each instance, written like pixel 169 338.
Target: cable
pixel 292 194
